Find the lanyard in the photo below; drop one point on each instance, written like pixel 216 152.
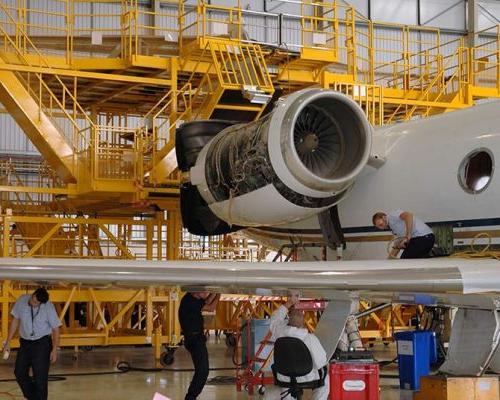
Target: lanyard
pixel 33 316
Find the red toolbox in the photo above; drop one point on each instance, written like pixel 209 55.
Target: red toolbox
pixel 354 380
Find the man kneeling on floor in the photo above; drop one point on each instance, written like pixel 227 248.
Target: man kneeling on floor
pixel 295 327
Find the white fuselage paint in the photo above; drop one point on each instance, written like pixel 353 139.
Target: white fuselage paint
pixel 420 175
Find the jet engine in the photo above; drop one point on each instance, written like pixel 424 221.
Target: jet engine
pixel 295 162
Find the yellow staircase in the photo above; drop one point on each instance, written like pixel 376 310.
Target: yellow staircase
pixel 157 135
pixel 32 103
pixel 36 124
pixel 237 84
pixel 43 239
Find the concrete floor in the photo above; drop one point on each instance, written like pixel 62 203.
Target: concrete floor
pixel 143 385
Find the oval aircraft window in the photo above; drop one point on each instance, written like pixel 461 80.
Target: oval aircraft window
pixel 475 171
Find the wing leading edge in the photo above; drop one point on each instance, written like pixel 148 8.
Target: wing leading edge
pixel 434 276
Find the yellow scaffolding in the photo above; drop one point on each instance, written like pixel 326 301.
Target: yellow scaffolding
pixel 100 95
pixel 200 62
pixel 105 317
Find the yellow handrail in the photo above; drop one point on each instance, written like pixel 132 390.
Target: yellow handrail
pixel 42 83
pixel 426 93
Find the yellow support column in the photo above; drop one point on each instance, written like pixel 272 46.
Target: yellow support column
pixel 157 343
pixel 173 235
pixel 5 236
pixel 5 309
pixel 159 218
pixel 174 330
pixel 149 240
pixel 149 313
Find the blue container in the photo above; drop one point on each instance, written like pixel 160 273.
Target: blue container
pixel 416 352
pixel 251 339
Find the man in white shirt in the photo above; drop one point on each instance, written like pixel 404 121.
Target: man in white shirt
pixel 415 236
pixel 38 325
pixel 294 327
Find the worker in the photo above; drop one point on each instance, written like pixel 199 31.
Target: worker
pixel 191 321
pixel 38 325
pixel 413 235
pixel 287 321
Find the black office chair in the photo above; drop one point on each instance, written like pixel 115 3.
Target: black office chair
pixel 292 359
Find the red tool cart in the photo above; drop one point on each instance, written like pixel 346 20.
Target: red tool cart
pixel 257 350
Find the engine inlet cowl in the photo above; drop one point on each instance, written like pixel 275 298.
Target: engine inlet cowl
pixel 324 140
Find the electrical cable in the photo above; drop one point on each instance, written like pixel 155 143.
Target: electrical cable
pixel 122 368
pixel 472 253
pixel 387 362
pixel 125 366
pixel 221 380
pixel 485 252
pixel 10 395
pixel 389 376
pixel 243 363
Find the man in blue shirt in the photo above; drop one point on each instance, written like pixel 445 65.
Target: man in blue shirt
pixel 415 236
pixel 38 325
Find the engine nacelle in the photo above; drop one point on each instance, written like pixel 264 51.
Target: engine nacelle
pixel 295 162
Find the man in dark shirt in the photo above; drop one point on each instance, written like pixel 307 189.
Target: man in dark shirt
pixel 191 320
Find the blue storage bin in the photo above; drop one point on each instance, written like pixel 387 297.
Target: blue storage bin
pixel 416 352
pixel 251 339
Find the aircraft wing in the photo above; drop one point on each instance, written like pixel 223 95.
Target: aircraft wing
pixel 471 285
pixel 443 279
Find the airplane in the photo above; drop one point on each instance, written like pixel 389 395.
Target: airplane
pixel 314 168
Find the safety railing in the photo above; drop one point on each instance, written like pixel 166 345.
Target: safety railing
pixel 113 155
pixel 101 150
pixel 361 54
pixel 204 89
pixel 64 103
pixel 78 237
pixel 52 27
pixel 217 21
pixel 315 26
pixel 485 59
pixel 98 30
pixel 386 55
pixel 240 65
pixel 371 51
pixel 59 104
pixel 145 32
pixel 401 53
pixel 188 24
pixel 450 79
pixel 319 25
pixel 220 248
pixel 206 21
pixel 24 172
pixel 369 98
pixel 159 124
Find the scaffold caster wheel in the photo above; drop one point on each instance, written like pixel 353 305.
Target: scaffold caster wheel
pixel 262 390
pixel 230 340
pixel 249 389
pixel 167 357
